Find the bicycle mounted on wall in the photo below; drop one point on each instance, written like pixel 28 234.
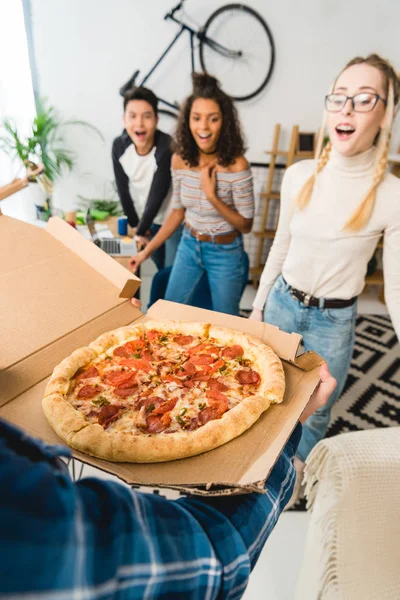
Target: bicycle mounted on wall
pixel 235 45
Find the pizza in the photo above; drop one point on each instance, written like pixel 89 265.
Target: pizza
pixel 162 390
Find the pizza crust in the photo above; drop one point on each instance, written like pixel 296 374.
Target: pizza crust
pixel 163 447
pixel 93 439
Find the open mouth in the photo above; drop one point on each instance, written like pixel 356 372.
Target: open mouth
pixel 140 134
pixel 204 136
pixel 344 131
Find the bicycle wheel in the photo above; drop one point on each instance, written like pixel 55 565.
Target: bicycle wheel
pixel 167 121
pixel 236 46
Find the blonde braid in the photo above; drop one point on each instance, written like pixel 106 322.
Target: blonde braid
pixel 363 212
pixel 304 195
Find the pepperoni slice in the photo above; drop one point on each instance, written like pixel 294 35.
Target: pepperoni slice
pixel 146 355
pixel 122 351
pixel 150 400
pixel 137 363
pixel 188 369
pixel 157 423
pixel 125 392
pixel 135 345
pixel 194 424
pixel 202 359
pixel 183 340
pixel 232 352
pixel 202 375
pixel 87 373
pixel 218 401
pixel 153 335
pixel 128 382
pixel 189 383
pixel 204 347
pixel 249 377
pixel 89 391
pixel 165 407
pixel 116 378
pixel 173 378
pixel 108 414
pixel 217 365
pixel 217 386
pixel 208 414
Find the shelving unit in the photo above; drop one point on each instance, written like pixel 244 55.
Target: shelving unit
pixel 295 152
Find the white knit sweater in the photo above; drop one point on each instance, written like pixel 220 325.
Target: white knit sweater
pixel 311 249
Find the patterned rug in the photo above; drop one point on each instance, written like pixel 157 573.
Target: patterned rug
pixel 371 397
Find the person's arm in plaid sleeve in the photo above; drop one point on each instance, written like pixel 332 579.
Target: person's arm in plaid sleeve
pixel 99 539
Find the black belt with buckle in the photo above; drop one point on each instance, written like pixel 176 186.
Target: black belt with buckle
pixel 309 300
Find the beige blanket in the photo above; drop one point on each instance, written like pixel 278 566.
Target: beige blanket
pixel 353 542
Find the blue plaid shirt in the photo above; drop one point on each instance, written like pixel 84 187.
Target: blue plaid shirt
pixel 61 540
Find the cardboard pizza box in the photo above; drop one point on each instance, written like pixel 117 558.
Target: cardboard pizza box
pixel 60 292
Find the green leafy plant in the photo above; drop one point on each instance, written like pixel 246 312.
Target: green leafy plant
pixel 45 143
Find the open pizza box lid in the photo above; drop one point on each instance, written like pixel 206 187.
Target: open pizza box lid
pixel 60 293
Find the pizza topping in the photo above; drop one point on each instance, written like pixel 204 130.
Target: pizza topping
pixel 137 363
pixel 202 359
pixel 248 377
pixel 208 414
pixel 135 346
pixel 201 375
pixel 183 340
pixel 217 366
pixel 89 391
pixel 165 407
pixel 128 382
pixel 217 386
pixel 125 392
pixel 108 414
pixel 100 401
pixel 205 347
pixel 122 351
pixel 87 373
pixel 232 352
pixel 154 335
pixel 117 378
pixel 146 355
pixel 188 369
pixel 150 403
pixel 158 423
pixel 218 400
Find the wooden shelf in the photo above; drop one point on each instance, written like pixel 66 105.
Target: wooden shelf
pixel 271 195
pixel 375 279
pixel 299 153
pixel 256 270
pixel 268 234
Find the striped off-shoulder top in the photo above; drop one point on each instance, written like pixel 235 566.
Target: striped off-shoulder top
pixel 235 189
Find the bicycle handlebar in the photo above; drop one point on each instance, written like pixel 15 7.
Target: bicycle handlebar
pixel 172 12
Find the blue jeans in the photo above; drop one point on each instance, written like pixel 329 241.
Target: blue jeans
pixel 329 332
pixel 224 265
pixel 164 256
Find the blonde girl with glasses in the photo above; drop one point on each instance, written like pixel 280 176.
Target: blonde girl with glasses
pixel 333 213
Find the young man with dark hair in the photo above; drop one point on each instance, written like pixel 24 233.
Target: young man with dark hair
pixel 142 167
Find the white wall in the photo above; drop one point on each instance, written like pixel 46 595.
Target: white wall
pixel 85 49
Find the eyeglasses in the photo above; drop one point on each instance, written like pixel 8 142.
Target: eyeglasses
pixel 364 102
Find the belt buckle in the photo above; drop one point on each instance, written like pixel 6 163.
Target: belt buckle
pixel 306 299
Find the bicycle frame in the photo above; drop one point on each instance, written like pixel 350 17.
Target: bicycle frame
pixel 192 34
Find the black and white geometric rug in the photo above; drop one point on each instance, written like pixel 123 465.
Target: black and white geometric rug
pixel 371 397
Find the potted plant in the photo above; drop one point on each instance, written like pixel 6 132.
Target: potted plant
pixel 44 144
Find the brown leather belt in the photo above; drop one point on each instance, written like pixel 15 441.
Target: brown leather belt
pixel 308 300
pixel 224 238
